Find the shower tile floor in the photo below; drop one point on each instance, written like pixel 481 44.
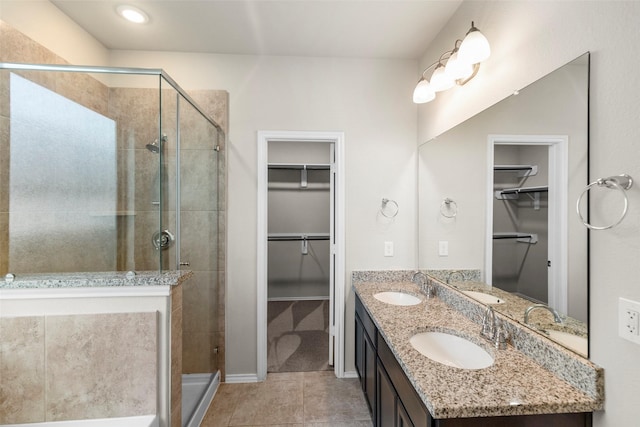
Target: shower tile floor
pixel 309 399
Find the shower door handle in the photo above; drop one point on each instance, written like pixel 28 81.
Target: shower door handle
pixel 184 264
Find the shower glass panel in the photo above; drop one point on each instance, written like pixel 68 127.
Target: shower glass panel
pixel 89 173
pixel 198 214
pixel 75 192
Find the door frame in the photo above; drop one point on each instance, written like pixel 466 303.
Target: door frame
pixel 558 210
pixel 337 246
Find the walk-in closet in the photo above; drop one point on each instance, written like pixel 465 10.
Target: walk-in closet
pixel 299 259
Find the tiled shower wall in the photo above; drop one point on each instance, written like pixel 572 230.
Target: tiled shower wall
pixel 136 113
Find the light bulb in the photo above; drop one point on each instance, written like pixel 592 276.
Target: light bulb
pixel 475 47
pixel 423 92
pixel 440 80
pixel 457 69
pixel 132 14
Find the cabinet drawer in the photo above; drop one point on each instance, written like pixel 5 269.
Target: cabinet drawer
pixel 367 323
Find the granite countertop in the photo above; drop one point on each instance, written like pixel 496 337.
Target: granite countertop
pixel 93 280
pixel 515 306
pixel 513 385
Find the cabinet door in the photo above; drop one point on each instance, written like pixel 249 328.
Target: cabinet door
pixel 360 350
pixel 403 419
pixel 386 400
pixel 370 374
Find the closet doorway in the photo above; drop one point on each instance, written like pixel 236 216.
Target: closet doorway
pixel 526 243
pixel 300 283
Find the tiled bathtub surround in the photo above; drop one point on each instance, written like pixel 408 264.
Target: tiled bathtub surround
pixel 57 368
pixel 516 384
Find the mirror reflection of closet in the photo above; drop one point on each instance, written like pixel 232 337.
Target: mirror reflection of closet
pixel 298 268
pixel 521 221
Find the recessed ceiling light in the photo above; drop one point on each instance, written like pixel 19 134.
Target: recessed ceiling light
pixel 132 14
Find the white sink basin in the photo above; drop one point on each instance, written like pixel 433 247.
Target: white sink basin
pixel 484 298
pixel 451 350
pixel 397 298
pixel 574 342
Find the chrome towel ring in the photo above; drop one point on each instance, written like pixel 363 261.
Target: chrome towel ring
pixel 449 205
pixel 389 208
pixel 620 183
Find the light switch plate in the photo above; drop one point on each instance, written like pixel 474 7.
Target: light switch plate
pixel 388 248
pixel 629 320
pixel 443 248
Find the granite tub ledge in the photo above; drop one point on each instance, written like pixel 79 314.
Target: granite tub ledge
pixel 80 284
pixel 513 385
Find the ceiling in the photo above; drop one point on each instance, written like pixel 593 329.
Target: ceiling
pixel 395 29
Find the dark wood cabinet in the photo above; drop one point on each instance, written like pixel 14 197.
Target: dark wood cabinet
pixel 394 402
pixel 386 399
pixel 366 336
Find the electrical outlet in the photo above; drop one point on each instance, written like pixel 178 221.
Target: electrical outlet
pixel 388 248
pixel 443 248
pixel 629 320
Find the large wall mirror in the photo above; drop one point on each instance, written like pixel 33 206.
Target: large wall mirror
pixel 497 194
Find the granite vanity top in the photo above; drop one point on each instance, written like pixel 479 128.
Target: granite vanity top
pixel 92 280
pixel 514 385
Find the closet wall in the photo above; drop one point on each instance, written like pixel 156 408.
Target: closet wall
pixel 298 268
pixel 519 266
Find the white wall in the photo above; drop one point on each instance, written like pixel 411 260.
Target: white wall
pixel 528 40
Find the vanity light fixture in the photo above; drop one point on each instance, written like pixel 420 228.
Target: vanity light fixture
pixel 454 67
pixel 132 14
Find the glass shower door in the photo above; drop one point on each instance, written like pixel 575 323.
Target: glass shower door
pixel 197 219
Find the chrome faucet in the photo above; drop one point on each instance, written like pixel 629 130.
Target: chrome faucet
pixel 421 276
pixel 489 324
pixel 426 286
pixel 493 329
pixel 556 316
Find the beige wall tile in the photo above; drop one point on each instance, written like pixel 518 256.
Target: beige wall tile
pixel 101 365
pixel 22 370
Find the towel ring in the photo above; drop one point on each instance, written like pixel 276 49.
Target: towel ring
pixel 447 203
pixel 389 208
pixel 621 183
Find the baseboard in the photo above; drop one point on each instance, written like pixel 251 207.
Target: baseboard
pixel 241 378
pixel 350 374
pixel 205 401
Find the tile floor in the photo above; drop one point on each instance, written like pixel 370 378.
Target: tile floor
pixel 309 399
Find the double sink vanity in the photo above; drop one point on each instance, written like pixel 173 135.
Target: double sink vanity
pixel 434 354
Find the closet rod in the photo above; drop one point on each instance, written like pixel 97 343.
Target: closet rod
pixel 296 237
pixel 297 166
pixel 531 238
pixel 507 168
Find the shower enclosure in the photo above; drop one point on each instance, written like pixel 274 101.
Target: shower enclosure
pixel 118 169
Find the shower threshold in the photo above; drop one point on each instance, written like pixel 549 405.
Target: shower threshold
pixel 197 393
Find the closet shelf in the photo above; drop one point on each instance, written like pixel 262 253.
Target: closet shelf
pixel 513 193
pixel 523 170
pixel 530 238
